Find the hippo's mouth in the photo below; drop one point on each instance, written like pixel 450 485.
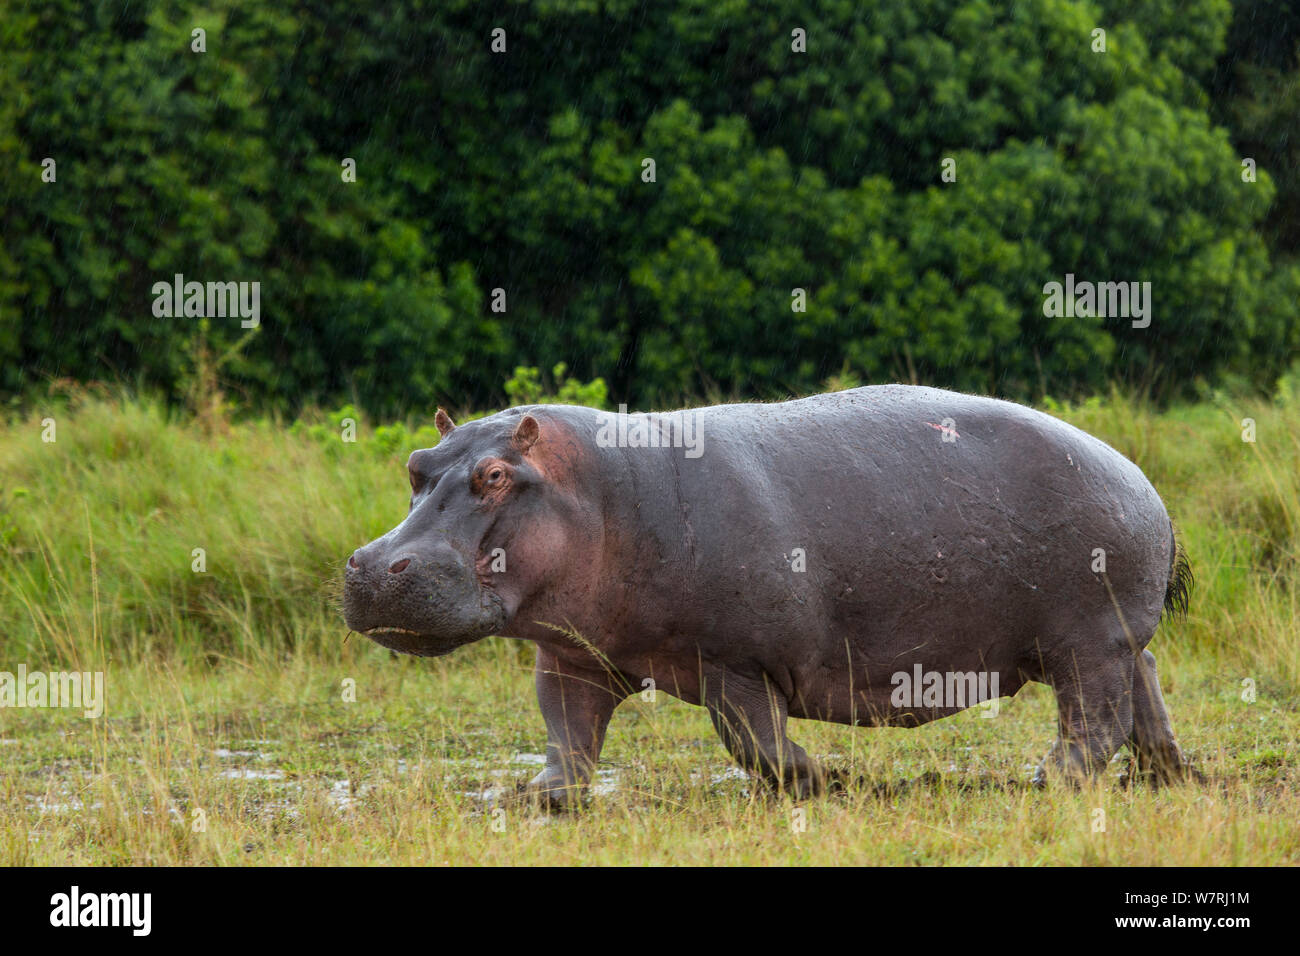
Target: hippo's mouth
pixel 435 643
pixel 375 631
pixel 405 641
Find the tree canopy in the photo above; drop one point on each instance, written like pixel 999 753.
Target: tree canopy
pixel 881 189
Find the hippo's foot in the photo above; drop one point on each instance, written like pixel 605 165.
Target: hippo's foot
pixel 840 780
pixel 1094 704
pixel 749 715
pixel 1067 763
pixel 1164 774
pixel 1097 716
pixel 552 792
pixel 1157 758
pixel 1051 771
pixel 796 787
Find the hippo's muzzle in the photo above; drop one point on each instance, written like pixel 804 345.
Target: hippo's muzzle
pixel 426 603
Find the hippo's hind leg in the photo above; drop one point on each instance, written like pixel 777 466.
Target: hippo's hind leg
pixel 750 716
pixel 1094 716
pixel 1155 751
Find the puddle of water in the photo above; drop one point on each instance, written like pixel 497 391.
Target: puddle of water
pixel 604 783
pixel 246 773
pixel 71 805
pixel 472 762
pixel 282 806
pixel 341 795
pixel 722 776
pixel 7 742
pixel 226 754
pixel 488 798
pixel 532 760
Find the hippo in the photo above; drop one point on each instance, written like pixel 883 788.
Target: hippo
pixel 838 558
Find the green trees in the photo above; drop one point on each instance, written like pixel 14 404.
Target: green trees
pixel 798 218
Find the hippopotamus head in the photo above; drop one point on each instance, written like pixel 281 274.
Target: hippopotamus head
pixel 484 496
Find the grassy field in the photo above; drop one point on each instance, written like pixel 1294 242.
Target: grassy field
pixel 230 737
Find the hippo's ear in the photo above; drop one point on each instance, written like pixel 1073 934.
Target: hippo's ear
pixel 526 433
pixel 445 425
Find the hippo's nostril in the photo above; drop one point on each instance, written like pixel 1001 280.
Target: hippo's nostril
pixel 399 566
pixel 352 561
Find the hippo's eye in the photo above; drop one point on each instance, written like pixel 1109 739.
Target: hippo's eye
pixel 490 475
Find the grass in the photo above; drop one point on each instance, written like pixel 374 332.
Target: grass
pixel 228 739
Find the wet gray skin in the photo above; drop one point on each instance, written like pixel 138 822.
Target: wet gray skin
pixel 935 533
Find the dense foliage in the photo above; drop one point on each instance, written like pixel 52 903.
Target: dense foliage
pixel 522 170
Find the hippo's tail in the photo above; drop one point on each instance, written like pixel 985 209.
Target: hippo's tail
pixel 1179 589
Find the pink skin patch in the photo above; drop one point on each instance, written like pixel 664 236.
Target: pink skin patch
pixel 945 429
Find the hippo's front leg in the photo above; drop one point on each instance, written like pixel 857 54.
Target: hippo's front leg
pixel 576 705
